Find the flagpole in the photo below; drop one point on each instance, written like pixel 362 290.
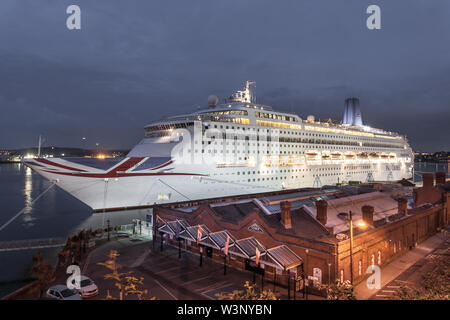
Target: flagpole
pixel 225 254
pixel 153 240
pixel 224 264
pixel 262 279
pixel 154 231
pixel 199 237
pixel 295 285
pixel 289 285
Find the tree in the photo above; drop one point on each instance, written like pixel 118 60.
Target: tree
pixel 124 281
pixel 434 285
pixel 250 293
pixel 339 290
pixel 134 286
pixel 42 271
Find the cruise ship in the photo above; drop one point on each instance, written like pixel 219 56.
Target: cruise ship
pixel 233 148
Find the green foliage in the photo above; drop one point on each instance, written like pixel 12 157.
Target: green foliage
pixel 339 291
pixel 250 293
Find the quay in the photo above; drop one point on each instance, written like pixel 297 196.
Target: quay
pixel 31 244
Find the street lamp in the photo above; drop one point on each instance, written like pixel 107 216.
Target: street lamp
pixel 329 273
pixel 361 224
pixel 351 246
pixel 306 280
pixel 108 227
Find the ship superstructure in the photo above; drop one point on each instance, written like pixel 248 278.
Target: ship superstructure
pixel 236 147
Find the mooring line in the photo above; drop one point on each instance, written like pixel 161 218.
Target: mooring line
pixel 23 210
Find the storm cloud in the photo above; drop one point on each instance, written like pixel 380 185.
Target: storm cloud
pixel 137 61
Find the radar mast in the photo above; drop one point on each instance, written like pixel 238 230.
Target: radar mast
pixel 245 95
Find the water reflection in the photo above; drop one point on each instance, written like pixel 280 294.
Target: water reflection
pixel 27 216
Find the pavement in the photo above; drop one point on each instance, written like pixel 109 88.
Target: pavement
pixel 168 277
pixel 406 269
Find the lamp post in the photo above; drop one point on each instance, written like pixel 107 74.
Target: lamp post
pixel 262 279
pixel 329 273
pixel 351 246
pixel 289 285
pixel 362 224
pixel 153 237
pixel 107 221
pixel 224 264
pixel 306 275
pixel 295 285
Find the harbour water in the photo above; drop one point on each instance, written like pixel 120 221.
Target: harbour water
pixel 57 214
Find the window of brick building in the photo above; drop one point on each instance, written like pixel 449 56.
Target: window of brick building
pixel 317 272
pixel 372 259
pixel 359 267
pixel 379 258
pixel 342 275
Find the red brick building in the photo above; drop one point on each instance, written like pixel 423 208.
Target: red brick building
pixel 306 233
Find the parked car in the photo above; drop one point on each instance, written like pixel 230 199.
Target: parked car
pixel 61 292
pixel 88 287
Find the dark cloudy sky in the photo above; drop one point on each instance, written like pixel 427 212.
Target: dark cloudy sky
pixel 136 61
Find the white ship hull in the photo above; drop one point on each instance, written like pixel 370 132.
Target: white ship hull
pixel 111 192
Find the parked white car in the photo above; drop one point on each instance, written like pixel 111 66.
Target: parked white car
pixel 88 287
pixel 61 292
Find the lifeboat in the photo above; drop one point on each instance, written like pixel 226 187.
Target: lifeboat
pixel 374 155
pixel 326 156
pixel 349 155
pixel 392 156
pixel 363 155
pixel 336 155
pixel 384 156
pixel 311 155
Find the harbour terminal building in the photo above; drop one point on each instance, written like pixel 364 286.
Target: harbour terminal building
pixel 304 234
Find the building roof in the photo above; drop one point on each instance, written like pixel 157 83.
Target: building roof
pixel 190 233
pixel 284 257
pixel 303 225
pixel 174 227
pixel 235 211
pixel 247 247
pixel 265 211
pixel 384 206
pixel 220 238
